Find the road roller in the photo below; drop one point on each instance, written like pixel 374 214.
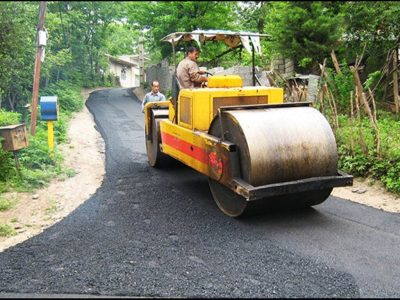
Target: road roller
pixel 258 153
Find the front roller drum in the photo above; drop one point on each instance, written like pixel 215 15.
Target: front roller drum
pixel 234 205
pixel 275 146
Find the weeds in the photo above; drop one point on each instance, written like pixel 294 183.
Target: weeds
pixel 7 230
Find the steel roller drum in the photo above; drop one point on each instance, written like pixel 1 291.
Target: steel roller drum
pixel 277 145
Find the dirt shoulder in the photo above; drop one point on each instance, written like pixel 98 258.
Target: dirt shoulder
pixel 370 193
pixel 85 154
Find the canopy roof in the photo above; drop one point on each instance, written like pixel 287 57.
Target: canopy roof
pixel 231 38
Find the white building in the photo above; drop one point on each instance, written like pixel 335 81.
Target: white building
pixel 126 68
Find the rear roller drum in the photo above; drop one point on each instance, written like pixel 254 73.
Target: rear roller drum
pixel 155 157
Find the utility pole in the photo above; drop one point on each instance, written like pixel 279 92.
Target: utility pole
pixel 141 58
pixel 40 43
pixel 141 53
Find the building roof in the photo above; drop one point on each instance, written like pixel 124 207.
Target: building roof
pixel 121 61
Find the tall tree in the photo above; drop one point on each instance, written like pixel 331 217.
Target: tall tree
pixel 374 25
pixel 164 18
pixel 304 31
pixel 16 52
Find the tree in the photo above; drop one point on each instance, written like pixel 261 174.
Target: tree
pixel 374 24
pixel 16 52
pixel 304 31
pixel 164 18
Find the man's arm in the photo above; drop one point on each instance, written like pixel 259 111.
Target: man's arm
pixel 195 73
pixel 145 99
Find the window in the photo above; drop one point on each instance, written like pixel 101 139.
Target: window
pixel 123 73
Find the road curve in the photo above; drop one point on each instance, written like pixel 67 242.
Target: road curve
pixel 157 233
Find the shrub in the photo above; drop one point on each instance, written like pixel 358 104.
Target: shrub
pixel 6 230
pixel 68 95
pixel 386 167
pixel 9 118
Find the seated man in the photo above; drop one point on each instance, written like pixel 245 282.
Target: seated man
pixel 154 95
pixel 188 72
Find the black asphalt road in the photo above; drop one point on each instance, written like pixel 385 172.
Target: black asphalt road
pixel 158 233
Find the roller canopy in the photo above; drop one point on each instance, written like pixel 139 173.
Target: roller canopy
pixel 231 38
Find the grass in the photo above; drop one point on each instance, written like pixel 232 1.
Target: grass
pixel 7 230
pixel 6 204
pixel 52 208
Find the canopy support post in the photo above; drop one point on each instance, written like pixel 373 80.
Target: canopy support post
pixel 253 64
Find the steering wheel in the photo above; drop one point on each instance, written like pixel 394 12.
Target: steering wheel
pixel 205 83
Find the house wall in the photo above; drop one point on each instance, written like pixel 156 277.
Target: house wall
pixel 131 78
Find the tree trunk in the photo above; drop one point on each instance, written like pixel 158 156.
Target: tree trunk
pixel 396 81
pixel 11 101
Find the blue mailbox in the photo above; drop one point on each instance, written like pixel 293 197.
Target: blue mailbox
pixel 49 108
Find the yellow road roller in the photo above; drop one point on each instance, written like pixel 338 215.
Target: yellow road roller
pixel 259 153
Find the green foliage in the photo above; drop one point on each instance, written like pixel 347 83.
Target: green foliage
pixel 68 95
pixel 16 52
pixel 304 31
pixel 164 18
pixel 9 118
pixel 372 79
pixel 6 204
pixel 385 168
pixel 7 166
pixel 341 85
pixel 375 24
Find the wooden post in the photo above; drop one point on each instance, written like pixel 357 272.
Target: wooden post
pixel 360 137
pixel 360 92
pixel 16 160
pixel 174 54
pixel 36 72
pixel 253 64
pixel 375 121
pixel 335 62
pixel 396 80
pixel 351 124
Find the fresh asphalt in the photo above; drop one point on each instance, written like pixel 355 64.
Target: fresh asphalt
pixel 158 233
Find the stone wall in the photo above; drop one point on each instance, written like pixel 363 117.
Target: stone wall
pixel 283 66
pixel 163 73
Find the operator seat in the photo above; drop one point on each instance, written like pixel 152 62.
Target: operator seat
pixel 175 91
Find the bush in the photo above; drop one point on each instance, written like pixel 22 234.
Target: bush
pixel 7 230
pixel 386 167
pixel 68 94
pixel 9 118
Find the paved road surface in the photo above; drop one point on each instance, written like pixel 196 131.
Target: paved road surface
pixel 149 232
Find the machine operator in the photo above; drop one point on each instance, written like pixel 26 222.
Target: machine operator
pixel 188 72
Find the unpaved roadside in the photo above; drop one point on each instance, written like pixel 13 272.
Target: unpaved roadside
pixel 84 153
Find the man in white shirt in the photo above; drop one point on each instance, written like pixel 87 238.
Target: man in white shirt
pixel 154 95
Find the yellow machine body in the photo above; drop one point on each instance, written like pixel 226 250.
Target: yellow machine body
pixel 250 145
pixel 188 140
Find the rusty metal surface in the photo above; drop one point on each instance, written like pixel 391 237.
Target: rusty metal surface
pixel 281 144
pixel 154 154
